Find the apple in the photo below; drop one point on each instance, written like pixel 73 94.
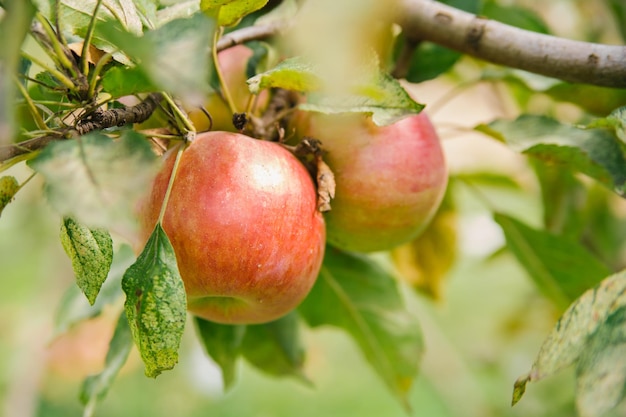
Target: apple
pixel 390 180
pixel 233 62
pixel 243 221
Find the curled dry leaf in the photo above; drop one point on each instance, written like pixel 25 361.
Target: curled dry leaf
pixel 310 152
pixel 93 54
pixel 325 185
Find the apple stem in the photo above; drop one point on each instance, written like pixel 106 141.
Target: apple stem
pixel 220 75
pixel 180 116
pixel 170 184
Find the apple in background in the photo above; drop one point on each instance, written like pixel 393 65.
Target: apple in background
pixel 243 221
pixel 233 62
pixel 390 180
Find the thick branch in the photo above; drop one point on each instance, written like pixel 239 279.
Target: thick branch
pixel 428 20
pixel 568 60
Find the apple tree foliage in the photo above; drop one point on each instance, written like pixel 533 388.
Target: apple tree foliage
pixel 75 80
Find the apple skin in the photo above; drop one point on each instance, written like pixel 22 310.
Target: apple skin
pixel 243 221
pixel 390 180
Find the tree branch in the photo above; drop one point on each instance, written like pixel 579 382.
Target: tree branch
pixel 421 20
pixel 97 121
pixel 495 42
pixel 568 60
pixel 251 33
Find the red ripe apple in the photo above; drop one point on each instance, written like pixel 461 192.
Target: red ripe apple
pixel 243 222
pixel 390 180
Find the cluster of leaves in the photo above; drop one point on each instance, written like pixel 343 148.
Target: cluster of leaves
pixel 93 182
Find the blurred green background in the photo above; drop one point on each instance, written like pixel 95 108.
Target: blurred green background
pixel 479 338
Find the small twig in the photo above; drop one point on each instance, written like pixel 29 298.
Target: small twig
pixel 96 121
pixel 403 63
pixel 99 120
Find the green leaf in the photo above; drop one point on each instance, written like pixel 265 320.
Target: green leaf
pixel 8 188
pixel 563 196
pixel 74 307
pixel 472 6
pixel 616 121
pixel 601 370
pixel 561 268
pixel 147 11
pixel 292 74
pixel 175 57
pixel 119 82
pixel 488 179
pixel 230 12
pixel 276 347
pixel 75 15
pixel 222 343
pixel 381 95
pixel 424 262
pixel 593 99
pixel 95 387
pixel 180 10
pixel 429 61
pixel 156 304
pixel 91 253
pixel 355 294
pixel 589 334
pixel 513 15
pixel 97 180
pixel 13 29
pixel 594 152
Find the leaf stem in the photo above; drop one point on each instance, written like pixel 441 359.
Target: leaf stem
pixel 27 180
pixel 59 54
pixel 31 106
pixel 63 79
pixel 180 116
pixel 225 91
pixel 84 62
pixel 170 184
pixel 93 82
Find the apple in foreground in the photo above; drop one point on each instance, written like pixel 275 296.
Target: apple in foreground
pixel 243 221
pixel 390 180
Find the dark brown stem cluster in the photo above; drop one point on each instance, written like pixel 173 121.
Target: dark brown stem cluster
pixel 98 120
pixel 274 122
pixel 103 119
